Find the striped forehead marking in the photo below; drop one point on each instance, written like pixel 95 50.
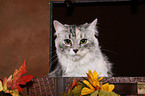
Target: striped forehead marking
pixel 73 30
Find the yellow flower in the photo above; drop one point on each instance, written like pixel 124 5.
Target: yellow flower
pixel 86 90
pixel 94 79
pixel 107 87
pixel 93 83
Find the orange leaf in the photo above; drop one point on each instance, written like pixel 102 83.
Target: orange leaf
pixel 73 84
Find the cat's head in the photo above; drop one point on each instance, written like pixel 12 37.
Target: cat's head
pixel 75 41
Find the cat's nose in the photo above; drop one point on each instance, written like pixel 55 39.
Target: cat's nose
pixel 75 50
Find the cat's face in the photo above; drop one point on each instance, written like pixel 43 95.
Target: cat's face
pixel 75 41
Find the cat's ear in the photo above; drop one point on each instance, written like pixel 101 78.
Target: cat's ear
pixel 93 25
pixel 58 26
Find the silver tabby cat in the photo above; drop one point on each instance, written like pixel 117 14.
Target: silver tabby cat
pixel 78 51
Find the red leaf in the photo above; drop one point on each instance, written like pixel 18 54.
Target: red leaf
pixel 22 80
pixel 17 79
pixel 25 79
pixel 21 71
pixel 18 87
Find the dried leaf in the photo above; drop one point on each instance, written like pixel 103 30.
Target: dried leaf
pixel 21 71
pixel 25 79
pixel 74 83
pixel 94 93
pixel 16 79
pixel 77 90
pixel 15 92
pixel 105 93
pixel 9 81
pixel 1 86
pixel 5 84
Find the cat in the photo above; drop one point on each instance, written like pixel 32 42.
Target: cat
pixel 78 51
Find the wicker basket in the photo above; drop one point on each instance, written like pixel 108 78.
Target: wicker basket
pixel 45 86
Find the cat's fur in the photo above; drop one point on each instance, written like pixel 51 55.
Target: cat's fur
pixel 87 56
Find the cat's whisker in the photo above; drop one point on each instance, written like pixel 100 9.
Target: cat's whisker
pixel 50 59
pixel 54 60
pixel 51 62
pixel 50 52
pixel 109 51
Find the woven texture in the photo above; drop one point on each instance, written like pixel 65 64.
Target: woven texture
pixel 45 86
pixel 130 80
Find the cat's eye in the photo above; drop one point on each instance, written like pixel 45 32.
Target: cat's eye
pixel 67 41
pixel 83 41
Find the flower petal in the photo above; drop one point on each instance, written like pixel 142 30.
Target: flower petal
pixel 108 87
pixel 90 78
pixel 88 84
pixel 96 84
pixel 95 75
pixel 90 73
pixel 111 87
pixel 100 78
pixel 86 91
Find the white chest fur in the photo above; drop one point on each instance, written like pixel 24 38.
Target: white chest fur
pixel 81 67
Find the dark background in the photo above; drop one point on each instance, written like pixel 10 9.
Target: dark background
pixel 121 27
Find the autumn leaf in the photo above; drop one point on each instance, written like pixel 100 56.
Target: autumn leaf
pixel 5 84
pixel 16 79
pixel 1 86
pixel 74 83
pixel 21 71
pixel 77 90
pixel 94 93
pixel 70 92
pixel 106 93
pixel 5 87
pixel 15 92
